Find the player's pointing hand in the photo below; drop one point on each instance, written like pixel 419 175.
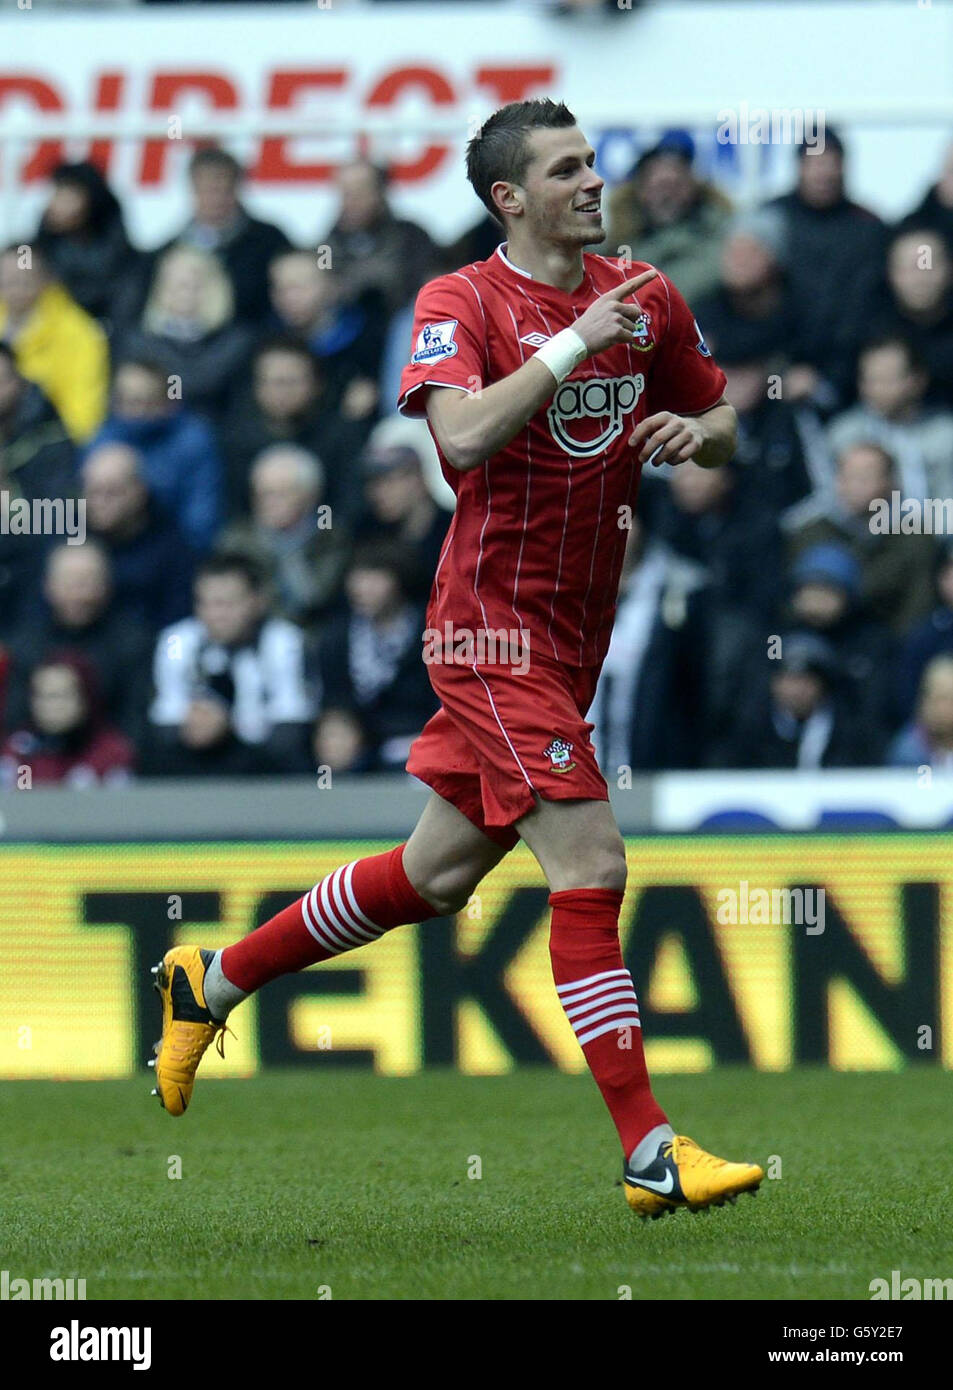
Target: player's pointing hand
pixel 610 320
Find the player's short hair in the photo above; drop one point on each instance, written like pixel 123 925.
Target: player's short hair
pixel 499 149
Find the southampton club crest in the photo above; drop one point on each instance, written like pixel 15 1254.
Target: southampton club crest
pixel 642 339
pixel 558 754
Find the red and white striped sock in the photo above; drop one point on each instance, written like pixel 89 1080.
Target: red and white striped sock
pixel 354 905
pixel 598 995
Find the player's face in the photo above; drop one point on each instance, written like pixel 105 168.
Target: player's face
pixel 562 191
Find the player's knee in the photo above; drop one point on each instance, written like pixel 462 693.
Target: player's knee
pixel 609 870
pixel 599 866
pixel 449 889
pixel 618 871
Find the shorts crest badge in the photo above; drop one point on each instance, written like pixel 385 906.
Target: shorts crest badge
pixel 558 754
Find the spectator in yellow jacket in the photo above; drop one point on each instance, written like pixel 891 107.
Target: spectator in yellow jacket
pixel 57 344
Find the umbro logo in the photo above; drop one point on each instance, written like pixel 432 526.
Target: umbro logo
pixel 535 340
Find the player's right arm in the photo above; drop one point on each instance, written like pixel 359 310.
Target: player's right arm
pixel 474 422
pixel 470 428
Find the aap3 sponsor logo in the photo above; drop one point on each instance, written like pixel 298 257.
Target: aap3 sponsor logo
pixel 607 400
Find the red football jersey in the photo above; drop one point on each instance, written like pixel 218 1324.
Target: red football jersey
pixel 536 542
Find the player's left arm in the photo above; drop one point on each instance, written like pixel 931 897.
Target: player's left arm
pixel 697 423
pixel 708 438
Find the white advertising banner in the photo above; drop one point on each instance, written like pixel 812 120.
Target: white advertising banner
pixel 882 74
pixel 912 799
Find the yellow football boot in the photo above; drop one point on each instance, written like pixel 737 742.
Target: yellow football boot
pixel 187 1026
pixel 684 1175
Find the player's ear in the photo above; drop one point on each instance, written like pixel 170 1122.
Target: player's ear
pixel 508 198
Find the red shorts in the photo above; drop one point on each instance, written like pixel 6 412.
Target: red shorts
pixel 503 738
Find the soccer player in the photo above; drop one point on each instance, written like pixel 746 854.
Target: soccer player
pixel 547 385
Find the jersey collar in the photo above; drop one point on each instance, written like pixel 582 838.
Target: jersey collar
pixel 509 264
pixel 541 287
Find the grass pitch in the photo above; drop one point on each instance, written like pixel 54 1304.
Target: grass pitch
pixel 306 1180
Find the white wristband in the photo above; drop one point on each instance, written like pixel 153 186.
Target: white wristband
pixel 562 354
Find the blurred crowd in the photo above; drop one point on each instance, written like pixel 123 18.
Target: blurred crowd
pixel 262 529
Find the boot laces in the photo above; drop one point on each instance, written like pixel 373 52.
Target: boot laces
pixel 193 1050
pixel 680 1147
